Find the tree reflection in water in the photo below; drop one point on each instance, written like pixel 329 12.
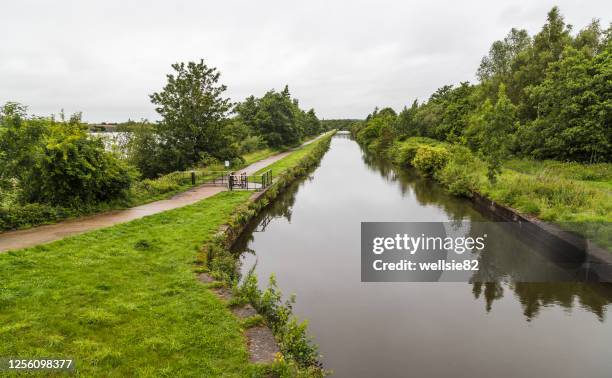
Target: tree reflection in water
pixel 500 271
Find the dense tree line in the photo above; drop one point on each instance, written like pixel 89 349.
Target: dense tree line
pixel 57 162
pixel 338 124
pixel 199 125
pixel 547 96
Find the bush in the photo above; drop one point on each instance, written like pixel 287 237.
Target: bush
pixel 252 143
pixel 31 214
pixel 430 159
pixel 58 163
pixel 293 339
pixel 403 152
pixel 462 173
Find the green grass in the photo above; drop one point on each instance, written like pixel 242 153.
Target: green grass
pixel 288 161
pixel 575 196
pixel 141 192
pixel 601 172
pixel 123 301
pixel 256 156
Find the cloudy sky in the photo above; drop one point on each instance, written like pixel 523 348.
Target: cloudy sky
pixel 340 57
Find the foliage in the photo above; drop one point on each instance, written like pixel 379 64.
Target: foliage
pixel 490 129
pixel 575 196
pixel 192 130
pixel 193 112
pixel 337 124
pixel 403 152
pixel 251 144
pixel 377 131
pixel 294 341
pixel 462 172
pixel 277 118
pixel 542 97
pixel 15 215
pixel 57 163
pixel 22 216
pixel 430 159
pixel 574 106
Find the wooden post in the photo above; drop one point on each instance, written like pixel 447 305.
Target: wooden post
pixel 193 178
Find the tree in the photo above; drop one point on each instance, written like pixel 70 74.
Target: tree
pixel 491 128
pixel 275 120
pixel 194 112
pixel 377 130
pixel 574 113
pixel 498 63
pixel 529 67
pixel 312 125
pixel 590 39
pixel 406 126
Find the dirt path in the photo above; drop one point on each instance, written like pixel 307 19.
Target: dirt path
pixel 45 234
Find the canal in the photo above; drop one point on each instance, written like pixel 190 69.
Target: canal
pixel 310 239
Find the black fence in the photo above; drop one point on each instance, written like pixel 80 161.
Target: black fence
pixel 242 181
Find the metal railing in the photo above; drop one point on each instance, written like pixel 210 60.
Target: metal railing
pixel 212 178
pixel 242 181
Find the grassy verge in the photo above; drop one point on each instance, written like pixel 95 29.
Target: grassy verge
pixel 280 166
pixel 577 197
pixel 123 301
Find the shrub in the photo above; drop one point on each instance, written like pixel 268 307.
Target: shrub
pixel 58 163
pixel 31 214
pixel 74 170
pixel 293 339
pixel 461 174
pixel 430 159
pixel 403 152
pixel 252 143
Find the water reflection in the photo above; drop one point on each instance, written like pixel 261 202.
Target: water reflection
pixel 510 259
pixel 425 191
pixel 534 296
pixel 494 325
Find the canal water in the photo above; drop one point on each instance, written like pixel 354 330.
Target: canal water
pixel 310 239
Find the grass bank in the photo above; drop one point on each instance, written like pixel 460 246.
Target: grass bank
pixel 279 167
pixel 576 197
pixel 124 301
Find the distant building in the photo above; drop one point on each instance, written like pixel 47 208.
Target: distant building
pixel 103 127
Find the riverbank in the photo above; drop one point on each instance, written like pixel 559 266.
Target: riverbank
pixel 309 237
pixel 573 197
pixel 124 300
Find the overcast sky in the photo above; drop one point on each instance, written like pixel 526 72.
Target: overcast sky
pixel 340 57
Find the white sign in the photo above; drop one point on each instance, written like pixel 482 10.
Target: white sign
pixel 226 163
